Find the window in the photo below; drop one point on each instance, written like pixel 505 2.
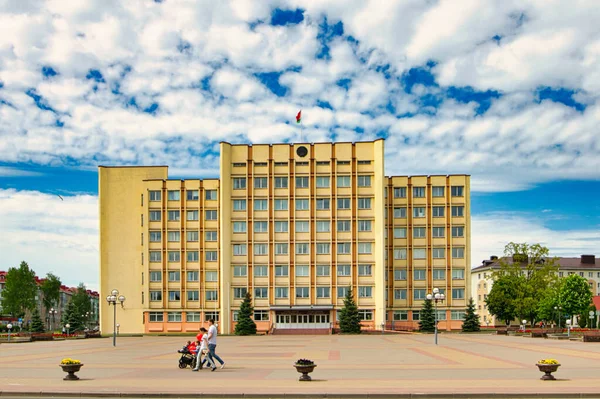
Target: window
pixel 155 296
pixel 261 226
pixel 260 182
pixel 211 256
pixel 281 204
pixel 155 236
pixel 458 274
pixel 239 205
pixel 419 294
pixel 419 192
pixel 154 196
pixel 343 203
pixel 459 231
pixel 261 315
pixel 364 248
pixel 302 248
pixel 193 295
pixel 441 315
pixel 155 256
pixel 155 216
pixel 210 195
pixel 419 232
pixel 343 162
pixel 323 292
pixel 261 271
pixel 343 248
pixel 174 276
pixel 399 232
pixel 239 227
pixel 211 316
pixel 323 204
pixel 457 191
pixel 457 315
pixel 419 253
pixel 174 296
pixel 239 271
pixel 210 235
pixel 301 270
pixel 211 295
pixel 261 292
pixel 260 249
pixel 239 164
pixel 439 274
pixel 155 276
pixel 173 317
pixel 302 226
pixel 302 292
pixel 458 252
pixel 323 226
pixel 192 195
pixel 342 292
pixel 399 253
pixel 323 270
pixel 416 315
pixel 399 213
pixel 364 181
pixel 323 181
pixel 439 232
pixel 439 253
pixel 399 294
pixel 281 163
pixel 301 163
pixel 192 236
pixel 281 292
pixel 239 292
pixel 302 204
pixel 419 274
pixel 260 204
pixel 399 274
pixel 399 192
pixel 239 183
pixel 281 249
pixel 281 270
pixel 173 256
pixel 173 195
pixel 192 317
pixel 458 211
pixel 400 315
pixel 343 270
pixel 239 249
pixel 364 270
pixel 281 182
pixel 192 215
pixel 301 181
pixel 364 162
pixel 437 191
pixel 419 212
pixel 365 315
pixel 438 211
pixel 365 291
pixel 343 181
pixel 154 317
pixel 281 227
pixel 343 225
pixel 364 225
pixel 173 236
pixel 210 215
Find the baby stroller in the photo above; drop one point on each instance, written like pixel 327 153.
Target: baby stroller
pixel 187 358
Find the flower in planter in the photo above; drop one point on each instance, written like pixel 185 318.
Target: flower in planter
pixel 548 361
pixel 68 360
pixel 304 362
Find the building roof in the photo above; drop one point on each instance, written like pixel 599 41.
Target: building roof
pixel 584 262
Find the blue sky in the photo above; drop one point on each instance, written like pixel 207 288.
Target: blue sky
pixel 505 92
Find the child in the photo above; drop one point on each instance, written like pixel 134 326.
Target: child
pixel 202 350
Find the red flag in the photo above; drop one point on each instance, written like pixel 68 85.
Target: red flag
pixel 299 116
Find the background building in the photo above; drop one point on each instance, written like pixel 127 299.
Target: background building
pixel 295 225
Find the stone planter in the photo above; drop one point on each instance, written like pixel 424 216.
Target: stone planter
pixel 548 369
pixel 304 370
pixel 71 369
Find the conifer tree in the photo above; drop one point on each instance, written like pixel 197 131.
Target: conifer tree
pixel 349 317
pixel 37 325
pixel 471 322
pixel 245 325
pixel 427 317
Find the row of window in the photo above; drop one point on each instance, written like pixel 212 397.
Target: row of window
pixel 302 163
pixel 437 274
pixel 419 294
pixel 155 317
pixel 436 191
pixel 321 204
pixel 175 195
pixel 303 248
pixel 421 253
pixel 436 232
pixel 402 315
pixel 191 215
pixel 436 211
pixel 239 183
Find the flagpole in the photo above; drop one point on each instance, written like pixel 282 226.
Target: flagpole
pixel 301 133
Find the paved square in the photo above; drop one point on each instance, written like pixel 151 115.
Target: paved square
pixel 365 364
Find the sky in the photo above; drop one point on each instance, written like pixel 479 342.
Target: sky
pixel 506 91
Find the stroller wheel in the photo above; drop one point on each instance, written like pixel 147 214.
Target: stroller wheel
pixel 182 365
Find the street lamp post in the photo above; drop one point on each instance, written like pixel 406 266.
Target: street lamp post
pixel 569 328
pixel 9 326
pixel 67 326
pixel 591 313
pixel 87 320
pixel 558 310
pixel 112 300
pixel 436 297
pixel 524 325
pixel 52 312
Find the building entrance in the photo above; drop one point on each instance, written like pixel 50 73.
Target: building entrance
pixel 302 319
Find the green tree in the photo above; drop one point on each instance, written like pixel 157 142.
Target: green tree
pixel 37 325
pixel 245 325
pixel 51 290
pixel 575 296
pixel 82 307
pixel 349 317
pixel 427 317
pixel 19 291
pixel 471 322
pixel 500 302
pixel 549 301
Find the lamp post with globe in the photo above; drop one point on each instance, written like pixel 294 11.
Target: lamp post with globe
pixel 52 312
pixel 436 297
pixel 9 326
pixel 112 300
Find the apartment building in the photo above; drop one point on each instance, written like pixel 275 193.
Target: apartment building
pixel 296 225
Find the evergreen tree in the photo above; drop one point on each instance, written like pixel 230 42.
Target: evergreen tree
pixel 471 322
pixel 245 325
pixel 427 317
pixel 72 318
pixel 349 317
pixel 37 325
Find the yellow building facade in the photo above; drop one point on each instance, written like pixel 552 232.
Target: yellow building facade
pixel 296 226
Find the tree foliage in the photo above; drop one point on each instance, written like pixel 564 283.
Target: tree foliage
pixel 78 306
pixel 37 325
pixel 427 317
pixel 19 291
pixel 471 322
pixel 349 316
pixel 245 325
pixel 500 300
pixel 575 296
pixel 51 290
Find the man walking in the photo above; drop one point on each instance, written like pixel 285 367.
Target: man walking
pixel 212 345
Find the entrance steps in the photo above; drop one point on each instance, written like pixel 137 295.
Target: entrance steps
pixel 301 331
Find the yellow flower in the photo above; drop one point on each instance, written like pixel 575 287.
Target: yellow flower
pixel 68 360
pixel 548 361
